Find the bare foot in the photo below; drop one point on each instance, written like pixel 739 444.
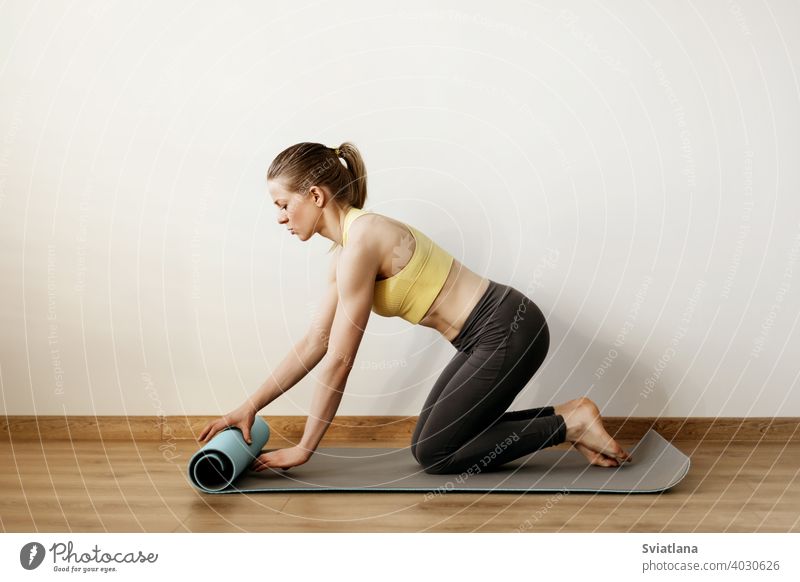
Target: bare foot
pixel 585 427
pixel 596 458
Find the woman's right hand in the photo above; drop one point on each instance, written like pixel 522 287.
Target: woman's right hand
pixel 243 418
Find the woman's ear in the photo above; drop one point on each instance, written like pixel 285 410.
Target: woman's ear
pixel 318 196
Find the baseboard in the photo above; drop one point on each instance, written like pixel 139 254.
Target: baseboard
pixel 378 429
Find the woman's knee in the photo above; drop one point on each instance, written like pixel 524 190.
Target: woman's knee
pixel 432 456
pixel 415 439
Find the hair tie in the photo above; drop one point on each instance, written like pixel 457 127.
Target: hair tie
pixel 337 151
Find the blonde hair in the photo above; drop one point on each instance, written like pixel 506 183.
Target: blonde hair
pixel 308 164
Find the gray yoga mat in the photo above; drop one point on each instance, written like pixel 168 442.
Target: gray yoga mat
pixel 222 466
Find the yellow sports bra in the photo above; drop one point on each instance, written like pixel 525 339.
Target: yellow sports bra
pixel 410 292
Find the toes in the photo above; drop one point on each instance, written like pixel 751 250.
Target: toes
pixel 595 458
pixel 607 462
pixel 622 456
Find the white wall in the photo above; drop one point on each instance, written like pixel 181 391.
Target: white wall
pixel 631 166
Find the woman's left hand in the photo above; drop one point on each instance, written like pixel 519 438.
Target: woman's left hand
pixel 281 459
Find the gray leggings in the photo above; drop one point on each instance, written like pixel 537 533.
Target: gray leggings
pixel 464 424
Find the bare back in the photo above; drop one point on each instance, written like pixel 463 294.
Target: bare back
pixel 394 247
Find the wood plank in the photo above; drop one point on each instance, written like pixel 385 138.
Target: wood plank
pixel 94 485
pixel 372 429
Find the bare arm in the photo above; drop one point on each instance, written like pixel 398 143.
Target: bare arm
pixel 300 360
pixel 356 281
pixel 306 353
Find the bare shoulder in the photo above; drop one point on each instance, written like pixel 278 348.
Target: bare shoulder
pixel 359 255
pixel 364 243
pixel 376 230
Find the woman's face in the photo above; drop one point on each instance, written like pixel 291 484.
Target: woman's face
pixel 296 213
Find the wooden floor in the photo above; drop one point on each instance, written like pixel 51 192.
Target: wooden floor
pixel 126 486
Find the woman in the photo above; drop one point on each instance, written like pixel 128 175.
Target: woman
pixel 500 335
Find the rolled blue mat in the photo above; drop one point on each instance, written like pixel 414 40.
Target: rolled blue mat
pixel 226 456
